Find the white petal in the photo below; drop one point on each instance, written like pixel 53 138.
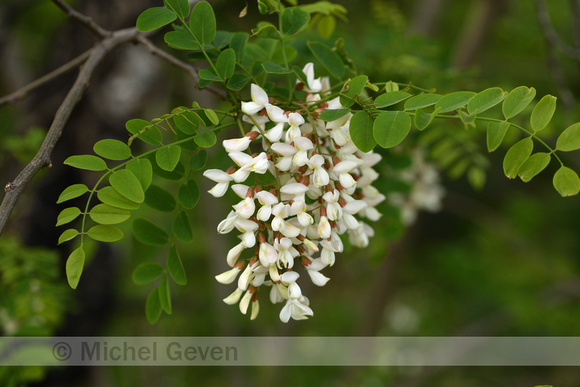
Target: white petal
pixel 275 134
pixel 317 278
pixel 266 198
pixel 244 280
pixel 294 291
pixel 289 230
pixel 259 96
pixel 284 149
pixel 251 107
pixel 289 277
pixel 217 175
pixel 255 309
pixel 234 254
pixel 276 114
pixel 355 206
pixel 228 277
pixel 241 190
pixel 295 119
pixel 345 166
pixel 245 302
pixel 219 190
pixel 246 225
pixel 241 158
pixel 294 189
pixel 236 144
pixel 234 297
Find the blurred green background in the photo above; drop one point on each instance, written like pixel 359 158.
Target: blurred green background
pixel 500 261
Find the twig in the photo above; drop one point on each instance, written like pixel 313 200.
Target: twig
pixel 42 159
pixel 550 33
pixel 86 21
pixel 23 92
pixel 552 42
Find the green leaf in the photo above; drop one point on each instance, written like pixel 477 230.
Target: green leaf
pixel 238 43
pixel 516 156
pixel 361 131
pixel 517 100
pixel 292 20
pixel 105 214
pixel 188 194
pixel 165 294
pixel 175 267
pixel 142 170
pixel 273 68
pixel 226 63
pixel 180 7
pixel 67 235
pixel 186 122
pixel 566 182
pixel 105 233
pixel 569 139
pixel 535 164
pixel 110 196
pixel 355 87
pixel 543 112
pixel 205 139
pixel 182 228
pixel 237 81
pixel 326 25
pixel 180 40
pixel 329 115
pixel 202 23
pixel 198 160
pixel 422 101
pixel 476 177
pixel 209 75
pixel 127 184
pixel 168 157
pixel 153 18
pixel 485 100
pixel 329 59
pixel 146 273
pixel 149 133
pixel 454 101
pixel 300 74
pixel 267 32
pixel 212 116
pixel 88 162
pixel 391 98
pixel 112 149
pixel 72 192
pixel 423 120
pixel 159 199
pixel 176 174
pixel 153 306
pixel 222 39
pixel 67 215
pixel 148 233
pixel 74 267
pixel 495 133
pixel 391 128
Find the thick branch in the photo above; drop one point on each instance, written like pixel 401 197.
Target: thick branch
pixel 42 159
pixel 23 92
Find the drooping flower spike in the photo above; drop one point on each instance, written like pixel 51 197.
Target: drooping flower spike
pixel 296 224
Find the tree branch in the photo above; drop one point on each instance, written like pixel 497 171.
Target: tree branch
pixel 42 159
pixel 86 21
pixel 23 92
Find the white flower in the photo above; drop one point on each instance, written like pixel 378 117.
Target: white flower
pixel 343 168
pixel 229 276
pixel 313 270
pixel 324 228
pixel 267 200
pixel 245 208
pixel 276 114
pixel 314 85
pixel 237 144
pixel 296 310
pixel 221 178
pixel 295 120
pixel 259 100
pixel 320 176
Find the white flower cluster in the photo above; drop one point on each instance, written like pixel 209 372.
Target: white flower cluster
pixel 323 189
pixel 427 192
